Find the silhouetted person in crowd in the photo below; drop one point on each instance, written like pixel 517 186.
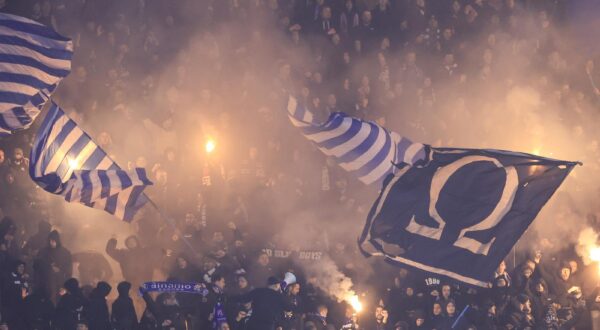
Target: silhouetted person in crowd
pixel 184 270
pixel 164 313
pixel 54 265
pixel 96 310
pixel 268 306
pixel 9 248
pixel 318 318
pixel 135 261
pixel 39 310
pixel 93 267
pixel 260 271
pixel 71 306
pixel 37 242
pixel 15 287
pixel 123 315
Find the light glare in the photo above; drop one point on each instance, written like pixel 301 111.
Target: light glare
pixel 73 164
pixel 210 146
pixel 355 303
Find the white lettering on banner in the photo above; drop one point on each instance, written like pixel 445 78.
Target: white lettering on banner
pixel 268 252
pixel 284 254
pixel 438 182
pixel 310 255
pixel 432 281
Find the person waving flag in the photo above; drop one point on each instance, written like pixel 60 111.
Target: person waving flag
pixel 448 211
pixel 66 161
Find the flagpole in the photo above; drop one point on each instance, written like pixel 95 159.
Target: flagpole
pixel 459 317
pixel 169 221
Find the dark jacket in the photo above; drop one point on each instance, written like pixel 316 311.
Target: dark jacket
pixel 36 243
pixel 539 300
pixel 13 304
pixel 157 312
pixel 97 309
pixel 39 310
pixel 134 263
pixel 70 307
pixel 267 308
pixel 123 313
pixel 49 258
pixel 319 321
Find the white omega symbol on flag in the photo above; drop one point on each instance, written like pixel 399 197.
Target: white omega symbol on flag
pixel 440 178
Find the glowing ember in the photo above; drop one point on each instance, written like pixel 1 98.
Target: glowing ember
pixel 355 303
pixel 210 146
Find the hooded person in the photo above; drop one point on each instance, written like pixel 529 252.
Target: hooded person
pixel 500 294
pixel 522 280
pixel 488 317
pixel 408 301
pixel 540 298
pixel 70 307
pixel 54 265
pixel 14 287
pixel 123 312
pixel 560 282
pixel 96 310
pixel 519 316
pixel 436 318
pixel 9 250
pixel 418 321
pixel 37 242
pixel 451 315
pixel 134 259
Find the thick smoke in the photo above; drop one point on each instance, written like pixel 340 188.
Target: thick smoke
pixel 535 111
pixel 327 276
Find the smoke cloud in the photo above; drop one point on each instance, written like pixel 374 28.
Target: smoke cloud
pixel 330 279
pixel 231 83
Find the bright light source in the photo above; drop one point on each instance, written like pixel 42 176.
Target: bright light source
pixel 210 146
pixel 355 303
pixel 595 253
pixel 73 164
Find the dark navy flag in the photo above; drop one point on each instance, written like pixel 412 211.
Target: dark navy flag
pixel 460 212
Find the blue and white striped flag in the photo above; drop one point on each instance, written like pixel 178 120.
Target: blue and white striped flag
pixel 66 161
pixel 33 60
pixel 361 147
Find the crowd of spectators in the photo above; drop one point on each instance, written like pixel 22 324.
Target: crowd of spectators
pixel 152 80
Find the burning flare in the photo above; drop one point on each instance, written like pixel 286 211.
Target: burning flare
pixel 595 253
pixel 210 146
pixel 588 248
pixel 355 303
